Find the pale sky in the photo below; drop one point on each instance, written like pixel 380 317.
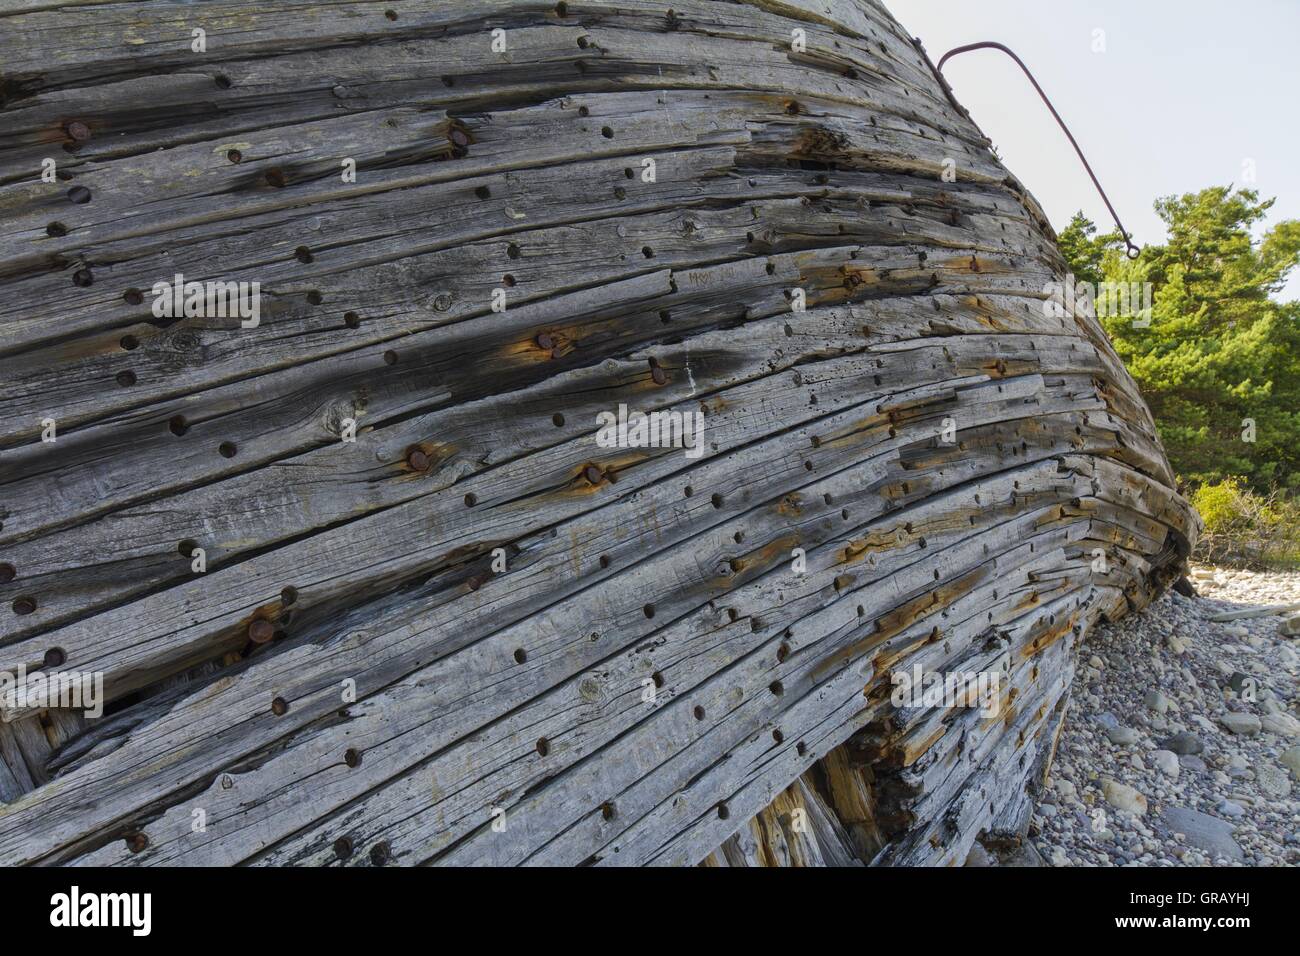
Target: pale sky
pixel 1184 94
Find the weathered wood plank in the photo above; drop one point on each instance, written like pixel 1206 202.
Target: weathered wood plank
pixel 909 458
pixel 74 570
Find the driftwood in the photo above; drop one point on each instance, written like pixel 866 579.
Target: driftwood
pixel 1270 611
pixel 362 584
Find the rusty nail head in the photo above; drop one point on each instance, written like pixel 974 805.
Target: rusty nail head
pixel 459 136
pixel 261 631
pixel 77 130
pixel 545 341
pixel 593 474
pixel 418 460
pixel 658 375
pixel 137 842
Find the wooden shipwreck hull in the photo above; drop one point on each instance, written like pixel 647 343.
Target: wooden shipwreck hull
pixel 362 584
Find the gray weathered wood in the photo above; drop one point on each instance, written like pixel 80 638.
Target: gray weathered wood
pixel 910 458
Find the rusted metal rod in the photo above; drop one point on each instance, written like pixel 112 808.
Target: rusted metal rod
pixel 1132 249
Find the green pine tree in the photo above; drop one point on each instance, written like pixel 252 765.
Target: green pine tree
pixel 1219 352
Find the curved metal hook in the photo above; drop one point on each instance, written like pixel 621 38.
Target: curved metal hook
pixel 1132 250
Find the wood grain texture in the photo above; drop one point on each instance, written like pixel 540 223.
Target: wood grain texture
pixel 490 639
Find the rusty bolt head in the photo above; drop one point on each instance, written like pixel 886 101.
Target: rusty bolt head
pixel 261 631
pixel 459 136
pixel 137 842
pixel 545 341
pixel 593 474
pixel 659 375
pixel 417 459
pixel 77 130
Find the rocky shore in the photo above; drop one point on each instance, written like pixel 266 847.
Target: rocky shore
pixel 1182 743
